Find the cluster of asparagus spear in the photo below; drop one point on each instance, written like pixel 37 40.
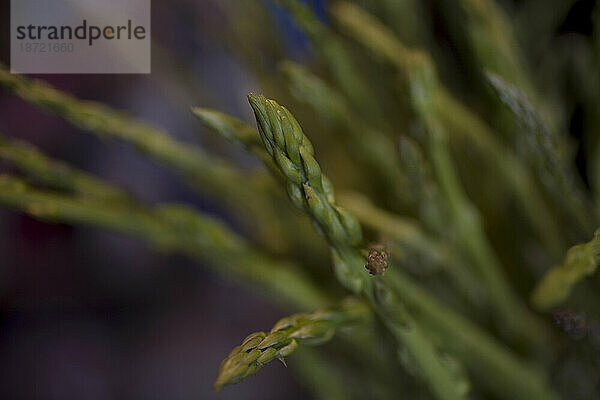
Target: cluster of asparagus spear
pixel 458 197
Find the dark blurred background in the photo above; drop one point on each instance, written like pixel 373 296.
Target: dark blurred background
pixel 86 314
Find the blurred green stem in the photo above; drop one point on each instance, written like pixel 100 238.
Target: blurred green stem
pixel 173 229
pixel 425 92
pixel 332 49
pixel 494 366
pixel 581 260
pixel 457 118
pixel 56 174
pixel 403 230
pixel 242 194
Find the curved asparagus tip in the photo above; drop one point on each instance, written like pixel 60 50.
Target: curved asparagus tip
pixel 308 187
pixel 581 261
pixel 287 334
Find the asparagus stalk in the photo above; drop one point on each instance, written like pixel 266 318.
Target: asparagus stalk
pixel 311 191
pixel 57 174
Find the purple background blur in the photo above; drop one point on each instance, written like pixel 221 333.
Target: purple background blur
pixel 86 314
